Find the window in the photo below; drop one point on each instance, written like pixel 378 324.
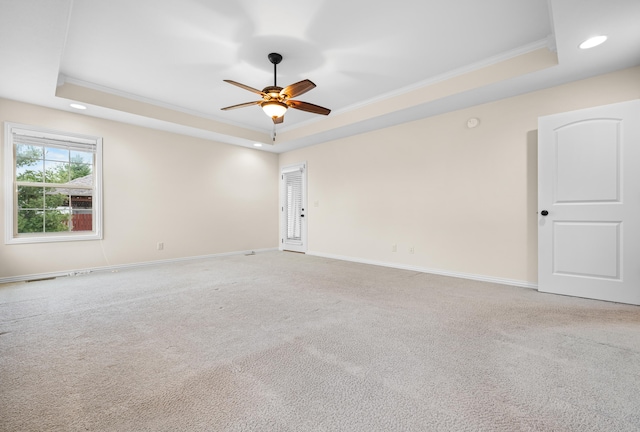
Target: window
pixel 53 185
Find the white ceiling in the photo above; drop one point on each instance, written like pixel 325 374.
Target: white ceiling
pixel 160 63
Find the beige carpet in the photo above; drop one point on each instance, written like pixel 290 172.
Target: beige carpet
pixel 287 342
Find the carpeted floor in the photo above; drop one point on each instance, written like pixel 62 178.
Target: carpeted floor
pixel 287 342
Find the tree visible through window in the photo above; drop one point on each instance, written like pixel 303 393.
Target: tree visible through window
pixel 55 183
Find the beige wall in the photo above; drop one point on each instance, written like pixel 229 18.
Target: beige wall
pixel 198 197
pixel 465 199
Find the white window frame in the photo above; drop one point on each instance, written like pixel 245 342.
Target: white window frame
pixel 11 190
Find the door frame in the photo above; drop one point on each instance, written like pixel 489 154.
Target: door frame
pixel 302 247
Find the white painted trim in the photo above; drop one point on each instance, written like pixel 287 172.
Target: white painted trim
pixel 471 276
pixel 473 67
pixel 548 42
pixel 62 79
pixel 78 272
pixel 553 46
pixel 9 174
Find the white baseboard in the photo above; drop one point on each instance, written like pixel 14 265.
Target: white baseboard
pixel 78 272
pixel 471 276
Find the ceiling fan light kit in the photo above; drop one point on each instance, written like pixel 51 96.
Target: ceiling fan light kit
pixel 276 100
pixel 274 108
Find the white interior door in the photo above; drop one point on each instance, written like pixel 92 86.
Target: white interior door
pixel 293 202
pixel 589 203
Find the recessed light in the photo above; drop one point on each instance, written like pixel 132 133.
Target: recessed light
pixel 593 42
pixel 77 106
pixel 257 145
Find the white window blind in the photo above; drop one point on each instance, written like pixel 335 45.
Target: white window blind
pixel 51 140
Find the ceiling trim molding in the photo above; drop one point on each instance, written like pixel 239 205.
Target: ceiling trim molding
pixel 473 67
pixel 123 104
pixel 65 79
pixel 512 67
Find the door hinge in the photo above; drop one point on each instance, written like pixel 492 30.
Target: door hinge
pixel 281 240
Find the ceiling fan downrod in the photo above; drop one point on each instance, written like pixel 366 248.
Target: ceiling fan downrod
pixel 275 58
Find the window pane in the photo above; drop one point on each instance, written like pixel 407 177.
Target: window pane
pixel 55 199
pixel 56 172
pixel 30 197
pixel 81 157
pixel 56 154
pixel 81 199
pixel 82 213
pixel 56 220
pixel 82 221
pixel 31 171
pixel 80 170
pixel 27 154
pixel 30 221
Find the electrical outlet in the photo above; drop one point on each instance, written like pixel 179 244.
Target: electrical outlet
pixel 412 250
pixel 394 248
pixel 160 246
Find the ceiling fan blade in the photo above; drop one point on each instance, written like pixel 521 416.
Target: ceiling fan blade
pixel 242 105
pixel 298 88
pixel 278 120
pixel 309 107
pixel 246 87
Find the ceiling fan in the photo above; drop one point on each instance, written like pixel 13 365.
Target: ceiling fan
pixel 276 100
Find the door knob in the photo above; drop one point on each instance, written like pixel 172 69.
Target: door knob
pixel 544 212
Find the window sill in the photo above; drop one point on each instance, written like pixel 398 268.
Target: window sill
pixel 53 238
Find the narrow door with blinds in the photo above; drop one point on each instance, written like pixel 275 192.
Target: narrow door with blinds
pixel 293 199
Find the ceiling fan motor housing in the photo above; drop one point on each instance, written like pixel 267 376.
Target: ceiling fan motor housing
pixel 273 92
